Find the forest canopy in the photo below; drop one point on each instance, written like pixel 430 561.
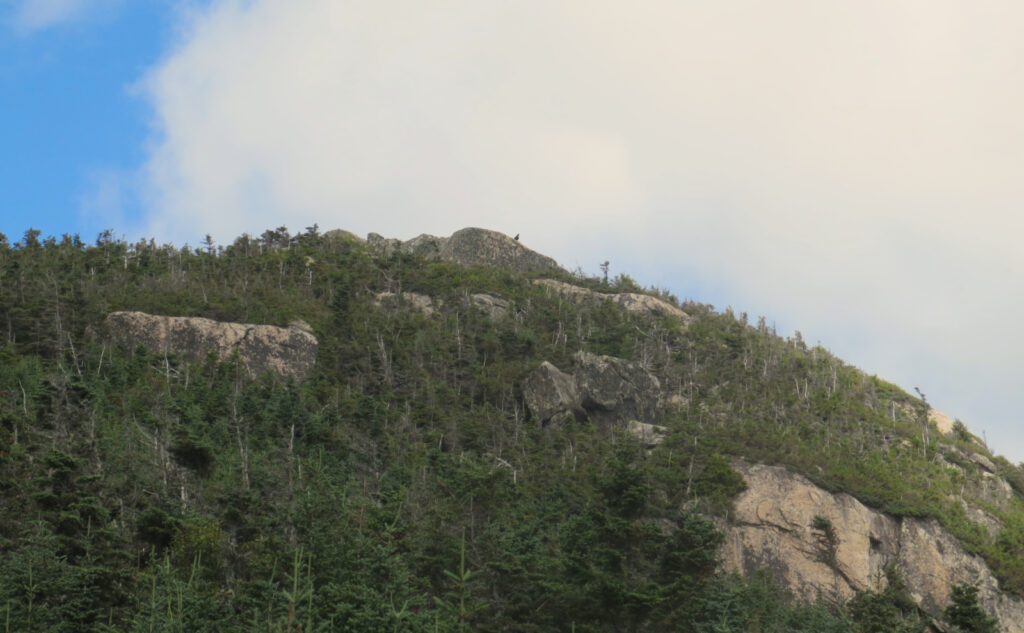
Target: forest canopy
pixel 405 486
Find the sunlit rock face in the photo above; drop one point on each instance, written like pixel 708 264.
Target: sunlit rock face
pixel 286 352
pixel 772 530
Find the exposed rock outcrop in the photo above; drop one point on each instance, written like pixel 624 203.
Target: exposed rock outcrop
pixel 631 301
pixel 398 300
pixel 617 388
pixel 480 247
pixel 941 421
pixel 495 307
pixel 650 435
pixel 607 389
pixel 772 530
pixel 986 463
pixel 341 234
pixel 286 352
pixel 468 247
pixel 549 392
pixel 384 246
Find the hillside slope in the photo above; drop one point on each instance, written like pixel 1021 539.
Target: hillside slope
pixel 471 439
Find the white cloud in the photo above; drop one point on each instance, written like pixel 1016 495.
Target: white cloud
pixel 848 169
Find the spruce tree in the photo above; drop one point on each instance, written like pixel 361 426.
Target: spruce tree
pixel 966 615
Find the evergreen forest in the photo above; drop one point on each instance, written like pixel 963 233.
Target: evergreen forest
pixel 405 486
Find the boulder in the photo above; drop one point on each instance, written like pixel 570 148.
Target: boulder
pixel 608 390
pixel 617 388
pixel 286 352
pixel 549 392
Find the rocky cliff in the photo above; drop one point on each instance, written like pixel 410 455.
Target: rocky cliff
pixel 468 247
pixel 774 529
pixel 286 352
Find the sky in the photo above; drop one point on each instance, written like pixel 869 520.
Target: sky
pixel 851 171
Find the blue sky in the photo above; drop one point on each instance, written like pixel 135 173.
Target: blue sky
pixel 70 113
pixel 849 170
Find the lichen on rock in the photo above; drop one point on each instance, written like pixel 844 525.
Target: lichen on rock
pixel 285 352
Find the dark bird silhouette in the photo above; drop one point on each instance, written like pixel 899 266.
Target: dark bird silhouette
pixel 516 238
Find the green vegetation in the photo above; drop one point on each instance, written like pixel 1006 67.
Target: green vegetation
pixel 966 615
pixel 404 487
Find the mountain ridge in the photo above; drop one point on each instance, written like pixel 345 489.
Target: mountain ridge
pixel 416 441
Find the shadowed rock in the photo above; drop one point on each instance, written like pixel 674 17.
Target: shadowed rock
pixel 286 352
pixel 608 390
pixel 617 387
pixel 549 392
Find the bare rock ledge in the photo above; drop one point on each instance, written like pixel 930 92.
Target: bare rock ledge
pixel 285 352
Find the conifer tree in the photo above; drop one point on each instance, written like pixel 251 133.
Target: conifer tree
pixel 966 615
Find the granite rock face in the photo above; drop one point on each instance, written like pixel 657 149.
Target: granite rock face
pixel 495 307
pixel 608 390
pixel 772 530
pixel 630 301
pixel 549 392
pixel 617 387
pixel 286 352
pixel 468 247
